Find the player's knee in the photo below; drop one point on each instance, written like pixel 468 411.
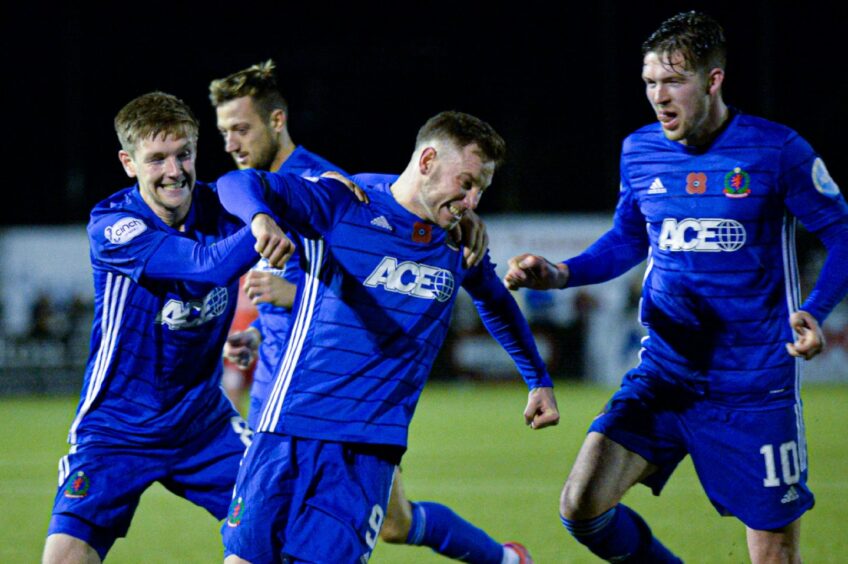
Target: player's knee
pixel 578 501
pixel 65 549
pixel 395 528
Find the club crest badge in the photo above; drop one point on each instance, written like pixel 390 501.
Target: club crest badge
pixel 235 513
pixel 736 183
pixel 422 232
pixel 696 183
pixel 77 487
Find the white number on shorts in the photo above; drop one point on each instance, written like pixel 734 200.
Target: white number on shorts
pixel 790 465
pixel 240 426
pixel 375 522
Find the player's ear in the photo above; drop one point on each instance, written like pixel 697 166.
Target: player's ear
pixel 127 162
pixel 425 160
pixel 715 78
pixel 278 120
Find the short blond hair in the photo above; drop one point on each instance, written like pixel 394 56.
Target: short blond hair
pixel 154 114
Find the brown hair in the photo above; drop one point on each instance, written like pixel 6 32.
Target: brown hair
pixel 695 35
pixel 257 81
pixel 464 129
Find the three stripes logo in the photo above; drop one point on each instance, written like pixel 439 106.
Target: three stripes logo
pixel 657 187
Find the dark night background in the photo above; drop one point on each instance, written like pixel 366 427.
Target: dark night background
pixel 560 81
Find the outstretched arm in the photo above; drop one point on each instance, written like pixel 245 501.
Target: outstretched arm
pixel 618 250
pixel 503 319
pixel 180 258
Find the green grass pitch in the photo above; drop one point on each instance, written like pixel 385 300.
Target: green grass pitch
pixel 470 450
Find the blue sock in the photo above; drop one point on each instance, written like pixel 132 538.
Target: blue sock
pixel 620 535
pixel 438 527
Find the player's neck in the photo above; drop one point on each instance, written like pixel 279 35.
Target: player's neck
pixel 404 191
pixel 287 147
pixel 716 120
pixel 173 218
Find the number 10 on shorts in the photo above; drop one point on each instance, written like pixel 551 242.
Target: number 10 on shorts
pixel 789 464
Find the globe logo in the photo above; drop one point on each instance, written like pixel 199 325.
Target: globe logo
pixel 443 285
pixel 730 235
pixel 215 303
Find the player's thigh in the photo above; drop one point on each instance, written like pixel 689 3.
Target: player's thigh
pixel 602 473
pixel 398 514
pixel 752 462
pixel 99 490
pixel 207 469
pixel 62 548
pixel 636 438
pixel 345 507
pixel 266 489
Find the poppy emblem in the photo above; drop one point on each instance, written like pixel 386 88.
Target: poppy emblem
pixel 422 232
pixel 696 183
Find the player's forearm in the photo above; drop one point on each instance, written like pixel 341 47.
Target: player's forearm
pixel 244 194
pixel 180 258
pixel 832 284
pixel 609 257
pixel 505 322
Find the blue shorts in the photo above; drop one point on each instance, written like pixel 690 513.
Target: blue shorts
pixel 308 500
pixel 100 483
pixel 751 460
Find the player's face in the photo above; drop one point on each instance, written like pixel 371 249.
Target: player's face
pixel 681 98
pixel 454 184
pixel 250 140
pixel 164 168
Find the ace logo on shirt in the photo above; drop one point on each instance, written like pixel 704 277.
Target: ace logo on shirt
pixel 181 315
pixel 413 279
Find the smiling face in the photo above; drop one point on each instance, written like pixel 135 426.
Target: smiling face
pixel 453 182
pixel 686 102
pixel 164 168
pixel 252 141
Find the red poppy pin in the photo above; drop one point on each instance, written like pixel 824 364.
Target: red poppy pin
pixel 696 183
pixel 422 232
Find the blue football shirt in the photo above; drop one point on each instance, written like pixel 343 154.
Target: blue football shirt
pixel 274 321
pixel 718 225
pixel 372 309
pixel 164 301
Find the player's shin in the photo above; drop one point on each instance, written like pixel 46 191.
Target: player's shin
pixel 620 535
pixel 440 528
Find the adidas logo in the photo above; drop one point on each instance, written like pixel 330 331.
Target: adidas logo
pixel 381 221
pixel 790 496
pixel 657 187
